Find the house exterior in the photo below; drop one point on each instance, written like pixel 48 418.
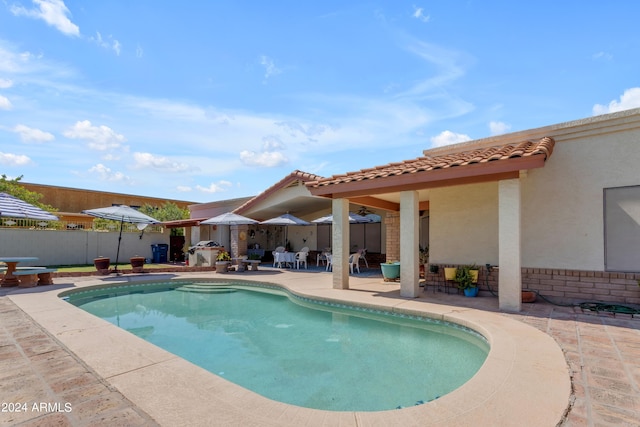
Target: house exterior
pixel 555 209
pixel 288 195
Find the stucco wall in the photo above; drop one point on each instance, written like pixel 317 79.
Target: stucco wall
pixel 563 224
pixel 463 225
pixel 54 247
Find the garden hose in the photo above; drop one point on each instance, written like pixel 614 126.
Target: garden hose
pixel 591 306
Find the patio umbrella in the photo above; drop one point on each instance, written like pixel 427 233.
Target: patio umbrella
pixel 353 218
pixel 285 220
pixel 12 207
pixel 229 218
pixel 123 214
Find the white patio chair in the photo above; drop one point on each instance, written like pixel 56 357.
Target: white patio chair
pixel 329 259
pixel 301 258
pixel 354 261
pixel 278 249
pixel 321 257
pixel 363 254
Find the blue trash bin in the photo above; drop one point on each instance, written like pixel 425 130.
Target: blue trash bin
pixel 159 252
pixel 163 248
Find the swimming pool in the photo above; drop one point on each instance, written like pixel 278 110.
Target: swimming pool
pixel 296 350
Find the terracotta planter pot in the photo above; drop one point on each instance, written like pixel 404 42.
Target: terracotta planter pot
pixel 137 264
pixel 102 264
pixel 528 296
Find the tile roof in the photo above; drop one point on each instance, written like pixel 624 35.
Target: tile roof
pixel 484 155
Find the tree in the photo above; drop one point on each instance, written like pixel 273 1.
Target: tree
pixel 167 212
pixel 13 187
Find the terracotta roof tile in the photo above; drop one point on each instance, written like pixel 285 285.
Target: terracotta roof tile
pixel 460 159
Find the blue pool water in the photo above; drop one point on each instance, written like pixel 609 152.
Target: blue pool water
pixel 294 350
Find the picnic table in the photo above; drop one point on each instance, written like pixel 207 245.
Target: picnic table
pixel 9 278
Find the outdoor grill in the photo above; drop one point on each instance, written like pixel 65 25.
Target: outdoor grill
pixel 204 253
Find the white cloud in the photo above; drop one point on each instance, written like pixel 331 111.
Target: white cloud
pixel 447 138
pixel 106 174
pixel 629 99
pixel 148 160
pixel 110 157
pixel 219 187
pixel 418 13
pixel 270 68
pixel 450 66
pixel 5 83
pixel 184 189
pixel 28 134
pixel 14 159
pixel 602 56
pixel 53 12
pixel 498 128
pixel 111 43
pixel 267 159
pixel 100 138
pixel 5 104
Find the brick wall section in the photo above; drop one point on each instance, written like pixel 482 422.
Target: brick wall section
pixel 562 286
pixel 392 223
pixel 580 285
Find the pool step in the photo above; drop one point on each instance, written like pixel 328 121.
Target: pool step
pixel 205 288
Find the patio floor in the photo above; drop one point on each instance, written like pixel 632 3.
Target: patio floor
pixel 53 354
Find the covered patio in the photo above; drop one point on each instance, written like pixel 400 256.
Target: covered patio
pixel 473 194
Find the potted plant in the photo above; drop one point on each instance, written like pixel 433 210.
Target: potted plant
pixel 222 262
pixel 137 263
pixel 390 270
pixel 102 264
pixel 467 279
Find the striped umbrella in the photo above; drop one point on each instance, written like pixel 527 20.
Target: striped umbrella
pixel 12 207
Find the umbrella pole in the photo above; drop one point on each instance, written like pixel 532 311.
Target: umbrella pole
pixel 115 270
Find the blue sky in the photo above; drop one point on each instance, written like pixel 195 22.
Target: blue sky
pixel 212 100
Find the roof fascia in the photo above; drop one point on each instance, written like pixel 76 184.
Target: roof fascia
pixel 457 175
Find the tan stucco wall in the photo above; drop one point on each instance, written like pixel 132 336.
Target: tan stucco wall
pixel 54 247
pixel 563 202
pixel 562 206
pixel 463 226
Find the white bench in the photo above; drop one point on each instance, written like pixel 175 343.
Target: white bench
pixel 34 276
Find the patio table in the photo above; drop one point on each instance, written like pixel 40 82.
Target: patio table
pixel 286 257
pixel 12 262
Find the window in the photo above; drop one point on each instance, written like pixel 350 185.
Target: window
pixel 622 229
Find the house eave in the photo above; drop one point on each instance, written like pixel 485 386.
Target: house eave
pixel 456 175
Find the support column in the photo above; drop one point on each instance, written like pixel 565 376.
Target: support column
pixel 409 245
pixel 340 243
pixel 238 243
pixel 510 275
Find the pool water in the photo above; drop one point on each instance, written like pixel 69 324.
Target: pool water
pixel 296 351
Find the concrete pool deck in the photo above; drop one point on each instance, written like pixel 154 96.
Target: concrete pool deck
pixel 52 352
